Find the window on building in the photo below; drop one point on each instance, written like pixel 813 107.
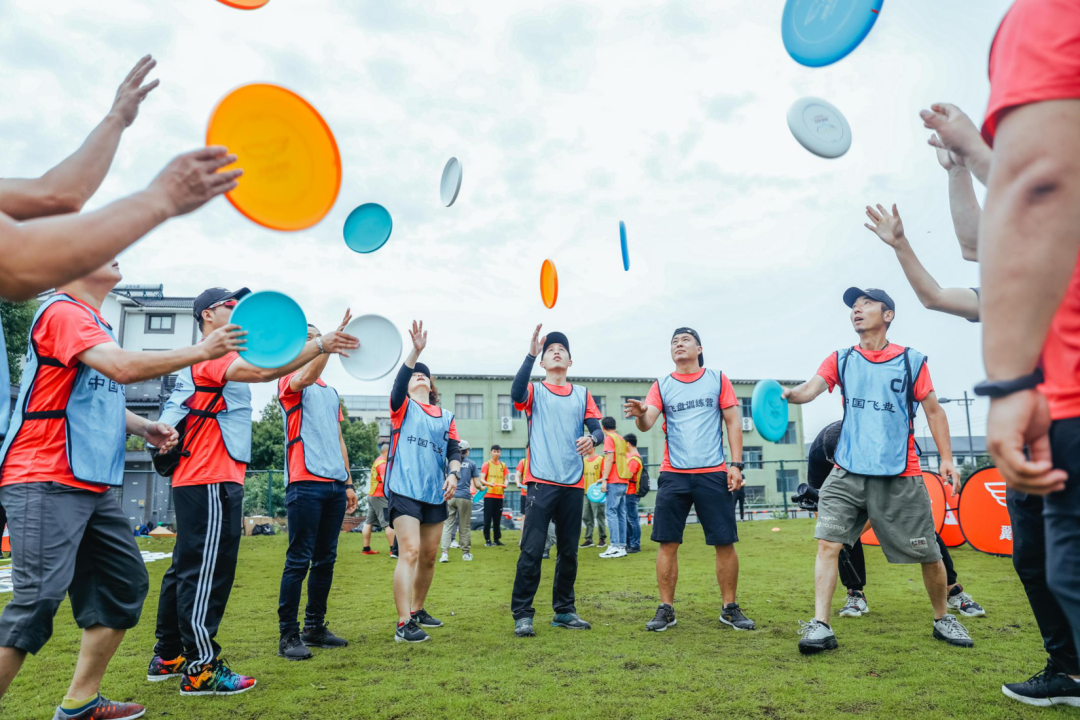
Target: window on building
pixel 752 457
pixel 601 403
pixel 510 456
pixel 755 493
pixel 469 407
pixel 626 399
pixel 645 461
pixel 506 408
pixel 745 407
pixel 787 480
pixel 160 323
pixel 789 436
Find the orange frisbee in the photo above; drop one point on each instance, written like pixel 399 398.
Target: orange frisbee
pixel 292 168
pixel 244 4
pixel 549 284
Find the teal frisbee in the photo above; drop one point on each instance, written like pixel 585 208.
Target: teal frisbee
pixel 276 328
pixel 595 494
pixel 367 228
pixel 770 410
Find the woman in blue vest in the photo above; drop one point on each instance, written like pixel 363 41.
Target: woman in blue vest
pixel 422 439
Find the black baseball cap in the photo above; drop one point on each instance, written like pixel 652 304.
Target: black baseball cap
pixel 552 339
pixel 422 368
pixel 691 331
pixel 853 293
pixel 212 296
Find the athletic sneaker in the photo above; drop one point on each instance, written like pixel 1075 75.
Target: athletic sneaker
pixel 816 636
pixel 951 631
pixel 424 620
pixel 732 615
pixel 445 557
pixel 546 555
pixel 454 545
pixel 291 647
pixel 467 557
pixel 215 679
pixel 632 550
pixel 614 552
pixel 855 605
pixel 162 669
pixel 523 627
pixel 321 637
pixel 570 621
pixel 393 554
pixel 369 551
pixel 102 709
pixel 498 543
pixel 1044 689
pixel 665 618
pixel 489 544
pixel 587 543
pixel 963 604
pixel 602 544
pixel 410 632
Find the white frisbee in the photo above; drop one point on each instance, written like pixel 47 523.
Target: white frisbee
pixel 379 351
pixel 819 127
pixel 451 181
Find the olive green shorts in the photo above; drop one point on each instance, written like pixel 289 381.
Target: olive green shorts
pixel 898 509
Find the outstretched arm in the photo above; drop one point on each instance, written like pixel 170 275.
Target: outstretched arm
pixel 310 373
pixel 802 394
pixel 126 366
pixel 335 342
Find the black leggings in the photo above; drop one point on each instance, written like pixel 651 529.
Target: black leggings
pixel 858 561
pixel 492 516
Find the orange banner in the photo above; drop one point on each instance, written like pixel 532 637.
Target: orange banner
pixel 984 518
pixel 936 490
pixel 950 531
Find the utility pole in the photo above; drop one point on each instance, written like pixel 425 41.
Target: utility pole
pixel 967 412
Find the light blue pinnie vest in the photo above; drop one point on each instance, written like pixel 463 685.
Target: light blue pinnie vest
pixel 234 420
pixel 415 466
pixel 318 436
pixel 555 424
pixel 879 411
pixel 694 420
pixel 94 416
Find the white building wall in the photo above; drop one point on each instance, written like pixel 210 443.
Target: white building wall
pixel 136 338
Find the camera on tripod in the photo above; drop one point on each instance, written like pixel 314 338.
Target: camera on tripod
pixel 806 497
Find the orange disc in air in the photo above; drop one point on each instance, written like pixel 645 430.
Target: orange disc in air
pixel 984 517
pixel 292 169
pixel 937 506
pixel 950 531
pixel 244 4
pixel 549 284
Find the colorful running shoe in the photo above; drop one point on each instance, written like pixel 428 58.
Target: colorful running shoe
pixel 215 679
pixel 961 602
pixel 103 709
pixel 162 669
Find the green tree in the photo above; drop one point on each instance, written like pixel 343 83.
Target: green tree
pixel 361 440
pixel 16 319
pixel 966 471
pixel 268 439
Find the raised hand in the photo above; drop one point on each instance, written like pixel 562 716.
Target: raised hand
pixel 132 92
pixel 346 320
pixel 947 159
pixel 537 345
pixel 338 342
pixel 225 340
pixel 954 130
pixel 192 179
pixel 889 228
pixel 634 408
pixel 418 336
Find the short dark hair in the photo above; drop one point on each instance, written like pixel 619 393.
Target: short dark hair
pixel 496 447
pixel 608 423
pixel 630 438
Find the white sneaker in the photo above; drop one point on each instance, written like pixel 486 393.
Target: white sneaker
pixel 445 557
pixel 467 557
pixel 610 552
pixel 620 552
pixel 454 545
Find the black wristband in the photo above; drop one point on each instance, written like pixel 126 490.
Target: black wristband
pixel 1001 388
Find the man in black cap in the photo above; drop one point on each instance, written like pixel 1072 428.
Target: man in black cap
pixel 696 403
pixel 213 401
pixel 558 414
pixel 877 473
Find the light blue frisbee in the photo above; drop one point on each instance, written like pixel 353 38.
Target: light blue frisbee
pixel 595 494
pixel 479 495
pixel 625 249
pixel 367 228
pixel 770 410
pixel 820 32
pixel 276 328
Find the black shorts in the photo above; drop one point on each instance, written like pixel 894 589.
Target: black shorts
pixel 708 493
pixel 426 513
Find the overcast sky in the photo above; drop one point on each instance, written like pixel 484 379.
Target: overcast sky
pixel 567 118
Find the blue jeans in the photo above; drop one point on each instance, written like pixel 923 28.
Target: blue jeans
pixel 616 514
pixel 633 524
pixel 315 511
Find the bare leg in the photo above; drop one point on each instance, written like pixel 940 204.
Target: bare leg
pixel 11 659
pixel 667 571
pixel 425 567
pixel 933 577
pixel 367 534
pixel 99 644
pixel 390 536
pixel 825 571
pixel 727 572
pixel 408 533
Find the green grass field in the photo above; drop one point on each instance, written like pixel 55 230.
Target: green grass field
pixel 887 666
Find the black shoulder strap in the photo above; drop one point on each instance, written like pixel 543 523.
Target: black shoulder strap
pixel 910 399
pixel 203 415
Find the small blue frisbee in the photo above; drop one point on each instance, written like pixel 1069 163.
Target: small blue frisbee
pixel 770 410
pixel 479 495
pixel 625 250
pixel 820 32
pixel 368 228
pixel 276 328
pixel 595 494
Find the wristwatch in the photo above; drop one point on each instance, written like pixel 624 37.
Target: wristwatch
pixel 741 466
pixel 318 343
pixel 455 473
pixel 1002 388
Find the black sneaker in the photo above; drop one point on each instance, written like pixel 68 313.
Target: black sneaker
pixel 732 615
pixel 1047 688
pixel 587 543
pixel 322 637
pixel 488 544
pixel 498 543
pixel 665 618
pixel 570 621
pixel 410 632
pixel 631 551
pixel 424 620
pixel 546 555
pixel 523 627
pixel 291 647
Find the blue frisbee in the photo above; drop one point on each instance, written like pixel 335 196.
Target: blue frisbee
pixel 770 410
pixel 625 250
pixel 595 494
pixel 276 328
pixel 479 495
pixel 368 228
pixel 820 32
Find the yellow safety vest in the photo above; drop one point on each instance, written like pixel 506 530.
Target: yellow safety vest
pixel 593 467
pixel 620 454
pixel 496 473
pixel 376 474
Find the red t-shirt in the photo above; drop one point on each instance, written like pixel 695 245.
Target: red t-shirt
pixel 209 462
pixel 39 451
pixel 521 476
pixel 591 411
pixel 289 399
pixel 923 387
pixel 378 469
pixel 633 461
pixel 727 399
pixel 1035 58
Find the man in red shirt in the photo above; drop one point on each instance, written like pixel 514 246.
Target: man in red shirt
pixel 696 402
pixel 377 512
pixel 318 493
pixel 213 400
pixel 64 453
pixel 615 480
pixel 877 475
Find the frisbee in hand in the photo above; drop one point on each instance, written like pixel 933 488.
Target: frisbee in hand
pixel 770 410
pixel 276 328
